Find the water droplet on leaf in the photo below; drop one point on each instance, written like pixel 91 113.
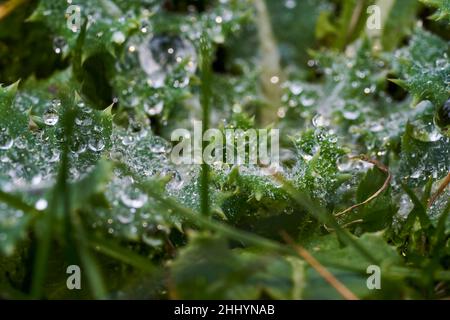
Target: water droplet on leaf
pixel 161 55
pixel 50 117
pixel 41 204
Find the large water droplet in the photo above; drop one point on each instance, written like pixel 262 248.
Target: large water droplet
pixel 425 131
pixel 163 54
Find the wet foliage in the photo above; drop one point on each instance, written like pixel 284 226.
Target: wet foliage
pixel 92 90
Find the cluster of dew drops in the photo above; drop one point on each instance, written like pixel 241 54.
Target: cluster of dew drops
pixel 162 60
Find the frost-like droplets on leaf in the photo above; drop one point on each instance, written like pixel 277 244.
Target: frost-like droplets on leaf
pixel 160 55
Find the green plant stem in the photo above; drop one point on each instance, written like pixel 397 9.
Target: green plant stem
pixel 419 208
pixel 205 100
pixel 118 252
pixel 17 203
pixel 90 265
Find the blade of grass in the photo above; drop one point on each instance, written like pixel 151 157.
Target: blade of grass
pixel 59 202
pixel 439 237
pixel 205 100
pixel 94 276
pixel 17 203
pixel 120 253
pixel 73 220
pixel 419 207
pixel 427 192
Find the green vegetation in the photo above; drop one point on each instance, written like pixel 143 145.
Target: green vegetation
pixel 89 98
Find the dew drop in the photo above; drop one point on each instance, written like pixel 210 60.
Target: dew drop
pixel 51 117
pixel 158 148
pixel 152 241
pixel 425 131
pixel 59 45
pixel 6 143
pixel 41 204
pixel 351 114
pixel 127 140
pixel 155 109
pixel 118 37
pixel 96 144
pixel 307 100
pixel 126 216
pixel 56 103
pixel 133 198
pixel 319 121
pixel 296 89
pixel 160 55
pixel 290 4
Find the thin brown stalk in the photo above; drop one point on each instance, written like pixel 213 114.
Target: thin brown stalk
pixel 321 270
pixel 8 7
pixel 440 190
